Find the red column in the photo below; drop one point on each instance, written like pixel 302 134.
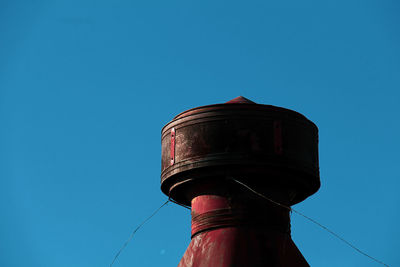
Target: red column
pixel 239 232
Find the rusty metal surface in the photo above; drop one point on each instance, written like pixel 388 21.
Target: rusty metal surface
pixel 266 146
pixel 272 149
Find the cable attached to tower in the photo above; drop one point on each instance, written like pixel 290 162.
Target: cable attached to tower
pixel 311 220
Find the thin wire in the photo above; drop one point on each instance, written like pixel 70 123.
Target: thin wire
pixel 185 206
pixel 137 228
pixel 313 221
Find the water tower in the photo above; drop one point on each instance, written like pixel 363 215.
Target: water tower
pixel 209 153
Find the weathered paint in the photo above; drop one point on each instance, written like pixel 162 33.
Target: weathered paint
pixel 272 149
pixel 265 145
pixel 238 245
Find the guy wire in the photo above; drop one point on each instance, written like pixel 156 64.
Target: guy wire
pixel 140 225
pixel 311 220
pixel 183 205
pixel 134 231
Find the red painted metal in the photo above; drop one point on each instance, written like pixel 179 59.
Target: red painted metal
pixel 255 234
pixel 172 146
pixel 271 149
pixel 238 139
pixel 240 100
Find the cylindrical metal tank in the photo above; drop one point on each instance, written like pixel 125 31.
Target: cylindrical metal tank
pixel 210 152
pixel 265 146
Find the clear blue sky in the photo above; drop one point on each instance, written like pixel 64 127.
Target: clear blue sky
pixel 86 86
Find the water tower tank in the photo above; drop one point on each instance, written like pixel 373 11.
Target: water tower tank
pixel 270 149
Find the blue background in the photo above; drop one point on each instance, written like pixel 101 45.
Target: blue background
pixel 86 86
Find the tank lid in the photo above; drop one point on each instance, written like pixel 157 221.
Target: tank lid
pixel 240 100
